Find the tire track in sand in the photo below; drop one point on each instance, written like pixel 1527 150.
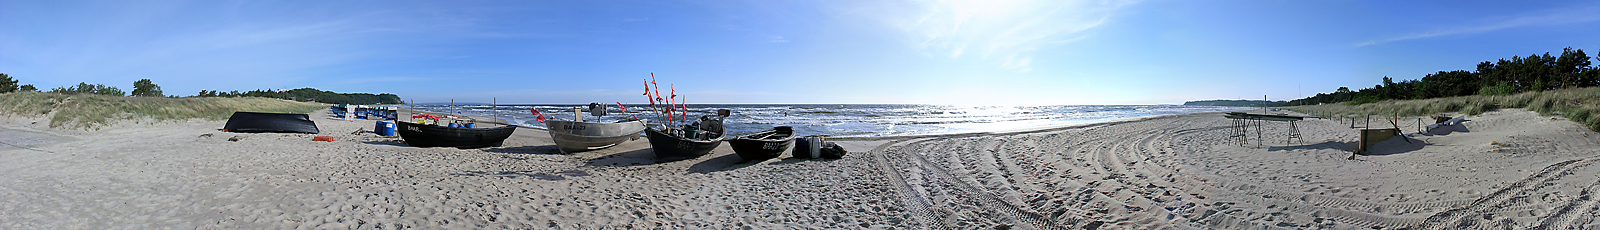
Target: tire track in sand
pixel 1454 217
pixel 917 204
pixel 1567 216
pixel 960 188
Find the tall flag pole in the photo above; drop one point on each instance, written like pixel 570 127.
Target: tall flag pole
pixel 647 96
pixel 647 93
pixel 673 94
pixel 657 97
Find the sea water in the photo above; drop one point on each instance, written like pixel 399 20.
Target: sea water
pixel 849 120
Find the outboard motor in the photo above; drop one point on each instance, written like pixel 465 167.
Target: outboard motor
pixel 597 109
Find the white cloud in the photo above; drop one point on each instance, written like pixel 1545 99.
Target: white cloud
pixel 779 39
pixel 1005 32
pixel 1540 19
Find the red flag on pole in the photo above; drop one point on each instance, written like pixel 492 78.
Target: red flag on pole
pixel 657 87
pixel 625 110
pixel 536 113
pixel 671 98
pixel 685 109
pixel 647 96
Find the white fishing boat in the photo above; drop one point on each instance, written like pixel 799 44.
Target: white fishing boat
pixel 579 136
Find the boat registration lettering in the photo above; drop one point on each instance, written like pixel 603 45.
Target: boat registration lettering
pixel 575 127
pixel 772 146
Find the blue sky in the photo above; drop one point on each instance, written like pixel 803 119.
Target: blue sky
pixel 928 52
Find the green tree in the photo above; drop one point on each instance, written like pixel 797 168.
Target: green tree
pixel 28 87
pixel 145 88
pixel 84 87
pixel 1501 88
pixel 6 84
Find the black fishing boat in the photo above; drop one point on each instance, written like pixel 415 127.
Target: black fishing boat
pixel 763 145
pixel 421 135
pixel 690 141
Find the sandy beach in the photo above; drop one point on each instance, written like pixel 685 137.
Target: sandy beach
pixel 1503 169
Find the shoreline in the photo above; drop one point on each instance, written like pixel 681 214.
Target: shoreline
pixel 499 121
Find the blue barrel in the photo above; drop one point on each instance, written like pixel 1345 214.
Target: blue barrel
pixel 452 125
pixel 472 125
pixel 802 148
pixel 384 128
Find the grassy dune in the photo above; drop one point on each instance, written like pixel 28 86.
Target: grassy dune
pixel 87 111
pixel 1581 105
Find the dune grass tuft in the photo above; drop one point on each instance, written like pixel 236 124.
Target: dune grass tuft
pixel 1581 105
pixel 87 111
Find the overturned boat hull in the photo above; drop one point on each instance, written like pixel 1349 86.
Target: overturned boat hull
pixel 252 122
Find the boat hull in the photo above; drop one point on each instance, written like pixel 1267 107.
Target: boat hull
pixel 440 136
pixel 584 136
pixel 675 148
pixel 763 145
pixel 250 122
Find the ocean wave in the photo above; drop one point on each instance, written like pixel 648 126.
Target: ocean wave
pixel 854 120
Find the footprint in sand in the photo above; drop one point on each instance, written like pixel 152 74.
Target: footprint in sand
pixel 1399 197
pixel 1435 193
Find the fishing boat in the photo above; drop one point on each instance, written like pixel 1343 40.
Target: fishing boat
pixel 577 135
pixel 689 141
pixel 763 145
pixel 422 135
pixel 574 136
pixel 672 142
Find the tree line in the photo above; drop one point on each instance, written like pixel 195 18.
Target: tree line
pixel 147 88
pixel 1235 103
pixel 141 88
pixel 310 94
pixel 1503 77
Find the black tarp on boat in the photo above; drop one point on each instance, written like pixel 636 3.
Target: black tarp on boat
pixel 252 122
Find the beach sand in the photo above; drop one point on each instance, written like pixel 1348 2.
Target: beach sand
pixel 1507 168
